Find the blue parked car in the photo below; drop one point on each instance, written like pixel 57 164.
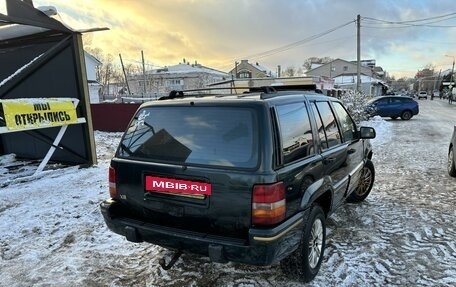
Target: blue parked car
pixel 393 107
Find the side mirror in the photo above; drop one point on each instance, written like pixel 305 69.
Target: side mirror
pixel 367 133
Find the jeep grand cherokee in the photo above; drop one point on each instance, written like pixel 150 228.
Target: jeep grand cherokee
pixel 247 178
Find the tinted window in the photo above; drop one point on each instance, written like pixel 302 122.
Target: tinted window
pixel 347 126
pixel 405 100
pixel 382 101
pixel 295 130
pixel 329 125
pixel 398 100
pixel 320 128
pixel 193 135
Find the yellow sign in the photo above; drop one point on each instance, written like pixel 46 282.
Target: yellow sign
pixel 35 113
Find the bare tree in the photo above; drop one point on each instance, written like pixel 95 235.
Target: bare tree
pixel 315 60
pixel 289 72
pixel 401 84
pixel 108 72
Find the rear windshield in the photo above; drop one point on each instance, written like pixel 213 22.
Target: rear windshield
pixel 219 136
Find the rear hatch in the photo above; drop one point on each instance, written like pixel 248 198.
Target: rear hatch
pixel 190 167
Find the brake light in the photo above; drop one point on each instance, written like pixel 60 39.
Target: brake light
pixel 269 205
pixel 112 183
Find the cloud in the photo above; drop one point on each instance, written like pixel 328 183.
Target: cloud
pixel 217 33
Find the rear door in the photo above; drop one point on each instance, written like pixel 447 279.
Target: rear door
pixel 355 148
pixel 397 105
pixel 333 150
pixel 300 163
pixel 191 166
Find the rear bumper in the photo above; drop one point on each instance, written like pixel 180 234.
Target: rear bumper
pixel 263 246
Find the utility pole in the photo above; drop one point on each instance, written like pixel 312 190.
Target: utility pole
pixel 144 72
pixel 358 52
pixel 452 75
pixel 125 74
pixel 330 70
pixel 235 69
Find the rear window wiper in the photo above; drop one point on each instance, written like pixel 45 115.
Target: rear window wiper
pixel 126 149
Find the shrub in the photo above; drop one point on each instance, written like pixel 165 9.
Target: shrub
pixel 356 104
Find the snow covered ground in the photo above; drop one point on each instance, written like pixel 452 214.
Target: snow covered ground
pixel 52 232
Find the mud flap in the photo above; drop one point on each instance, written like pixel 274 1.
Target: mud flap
pixel 132 235
pixel 216 254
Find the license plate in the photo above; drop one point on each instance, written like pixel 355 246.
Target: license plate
pixel 179 186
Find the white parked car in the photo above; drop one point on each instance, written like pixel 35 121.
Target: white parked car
pixel 422 95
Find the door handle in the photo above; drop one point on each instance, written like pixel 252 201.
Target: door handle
pixel 352 150
pixel 329 160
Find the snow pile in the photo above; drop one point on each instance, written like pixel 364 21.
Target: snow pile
pixel 382 129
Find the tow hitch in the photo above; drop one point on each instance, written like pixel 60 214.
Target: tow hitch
pixel 171 262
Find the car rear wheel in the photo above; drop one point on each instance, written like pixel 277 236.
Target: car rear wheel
pixel 450 165
pixel 406 115
pixel 366 181
pixel 303 264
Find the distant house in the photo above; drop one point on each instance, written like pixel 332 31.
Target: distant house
pixel 92 64
pixel 339 67
pixel 245 70
pixel 344 74
pixel 184 76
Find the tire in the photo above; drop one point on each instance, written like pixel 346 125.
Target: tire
pixel 366 181
pixel 450 164
pixel 304 263
pixel 406 115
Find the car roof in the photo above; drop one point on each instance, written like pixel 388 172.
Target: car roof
pixel 394 97
pixel 387 97
pixel 265 97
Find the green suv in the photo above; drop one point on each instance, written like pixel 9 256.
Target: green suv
pixel 247 178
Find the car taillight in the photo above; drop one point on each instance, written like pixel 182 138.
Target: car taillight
pixel 268 205
pixel 112 183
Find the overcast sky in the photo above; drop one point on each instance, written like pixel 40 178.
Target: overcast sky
pixel 217 33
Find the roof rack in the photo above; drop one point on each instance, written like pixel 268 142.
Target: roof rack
pixel 174 94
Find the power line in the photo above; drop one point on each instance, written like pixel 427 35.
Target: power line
pixel 229 62
pixel 294 44
pixel 299 43
pixel 418 20
pixel 425 22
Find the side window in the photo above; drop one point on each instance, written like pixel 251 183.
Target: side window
pixel 347 126
pixel 295 131
pixel 320 128
pixel 403 100
pixel 328 125
pixel 382 101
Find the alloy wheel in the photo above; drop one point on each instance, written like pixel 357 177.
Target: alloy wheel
pixel 315 243
pixel 364 182
pixel 450 161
